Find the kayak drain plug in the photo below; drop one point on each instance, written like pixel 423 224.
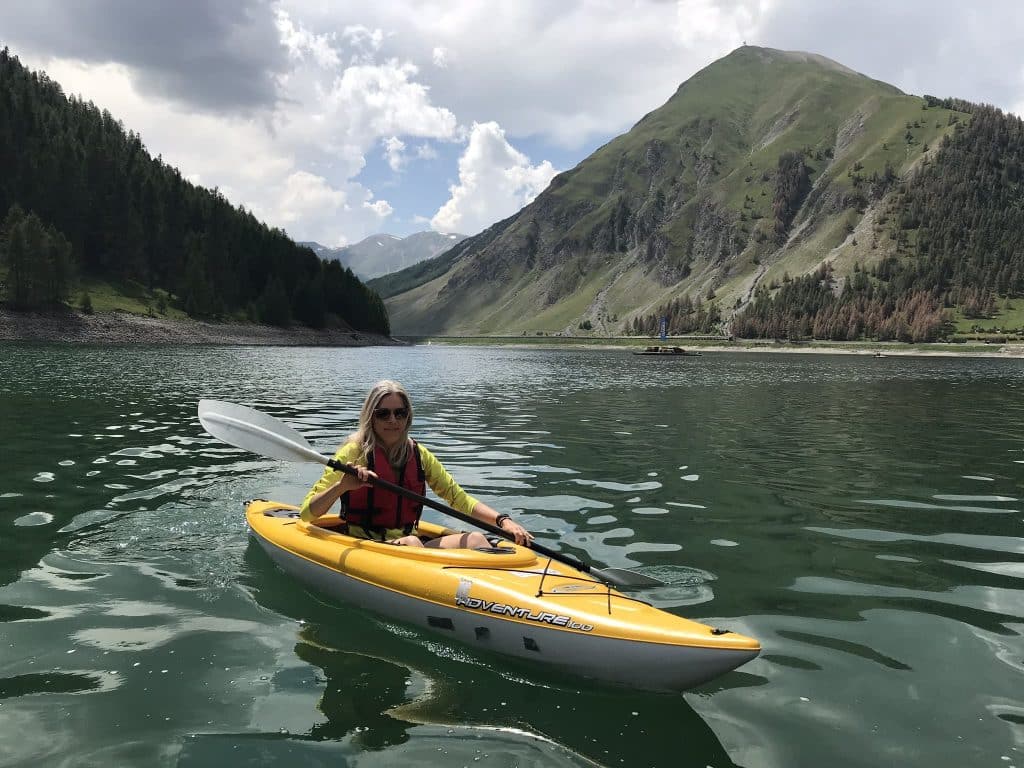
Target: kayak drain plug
pixel 717 631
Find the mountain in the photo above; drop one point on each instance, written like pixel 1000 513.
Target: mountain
pixel 382 254
pixel 771 187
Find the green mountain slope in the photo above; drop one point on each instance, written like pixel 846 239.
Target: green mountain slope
pixel 762 167
pixel 84 204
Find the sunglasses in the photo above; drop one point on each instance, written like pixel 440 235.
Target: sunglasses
pixel 385 413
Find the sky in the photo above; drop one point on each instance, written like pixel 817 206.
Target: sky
pixel 337 119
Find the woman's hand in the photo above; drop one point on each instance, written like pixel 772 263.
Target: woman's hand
pixel 523 536
pixel 323 501
pixel 358 480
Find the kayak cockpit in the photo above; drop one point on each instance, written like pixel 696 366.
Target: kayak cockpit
pixel 329 530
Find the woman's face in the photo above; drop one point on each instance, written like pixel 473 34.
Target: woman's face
pixel 389 420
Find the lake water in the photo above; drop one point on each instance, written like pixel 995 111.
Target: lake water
pixel 862 517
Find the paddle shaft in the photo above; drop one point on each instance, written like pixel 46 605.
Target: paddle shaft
pixel 348 469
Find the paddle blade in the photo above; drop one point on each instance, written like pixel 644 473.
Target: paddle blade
pixel 254 431
pixel 619 577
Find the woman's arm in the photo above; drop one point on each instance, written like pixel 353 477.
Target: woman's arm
pixel 445 486
pixel 483 512
pixel 319 503
pixel 333 484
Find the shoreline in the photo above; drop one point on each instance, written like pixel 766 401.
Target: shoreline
pixel 126 328
pixel 878 349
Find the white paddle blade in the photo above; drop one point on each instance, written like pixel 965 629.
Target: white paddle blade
pixel 254 431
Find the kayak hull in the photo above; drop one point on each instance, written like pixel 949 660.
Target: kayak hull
pixel 510 602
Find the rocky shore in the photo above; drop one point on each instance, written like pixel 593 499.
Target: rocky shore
pixel 125 328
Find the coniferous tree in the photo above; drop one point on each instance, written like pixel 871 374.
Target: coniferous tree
pixel 273 307
pixel 38 261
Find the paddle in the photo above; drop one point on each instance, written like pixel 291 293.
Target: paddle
pixel 263 434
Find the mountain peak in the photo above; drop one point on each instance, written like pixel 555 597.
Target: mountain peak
pixel 767 55
pixel 383 253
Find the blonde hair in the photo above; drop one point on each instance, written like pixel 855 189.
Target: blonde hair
pixel 366 438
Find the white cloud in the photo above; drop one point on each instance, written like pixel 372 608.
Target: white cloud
pixel 382 208
pixel 393 152
pixel 301 43
pixel 495 181
pixel 382 100
pixel 365 41
pixel 305 196
pixel 441 55
pixel 700 21
pixel 308 202
pixel 426 151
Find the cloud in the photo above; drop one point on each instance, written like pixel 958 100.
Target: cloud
pixel 378 100
pixel 301 43
pixel 495 181
pixel 393 149
pixel 220 57
pixel 966 50
pixel 699 21
pixel 441 56
pixel 308 203
pixel 364 40
pixel 306 196
pixel 426 151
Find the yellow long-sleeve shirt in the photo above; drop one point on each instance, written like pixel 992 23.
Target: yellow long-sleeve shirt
pixel 437 477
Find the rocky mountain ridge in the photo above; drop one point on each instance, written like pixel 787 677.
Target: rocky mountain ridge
pixel 381 254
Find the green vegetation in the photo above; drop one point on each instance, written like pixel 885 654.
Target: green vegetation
pixel 37 260
pixel 82 199
pixel 132 298
pixel 956 233
pixel 1006 317
pixel 682 316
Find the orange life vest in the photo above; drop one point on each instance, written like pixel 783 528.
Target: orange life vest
pixel 376 509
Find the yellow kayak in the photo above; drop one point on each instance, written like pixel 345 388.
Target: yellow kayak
pixel 506 599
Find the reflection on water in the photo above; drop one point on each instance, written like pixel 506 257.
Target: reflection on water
pixel 861 517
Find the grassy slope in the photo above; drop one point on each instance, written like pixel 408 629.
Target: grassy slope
pixel 1009 315
pixel 109 297
pixel 113 297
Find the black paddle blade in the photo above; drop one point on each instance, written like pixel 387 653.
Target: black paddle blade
pixel 619 577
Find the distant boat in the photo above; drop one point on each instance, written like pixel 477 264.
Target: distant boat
pixel 667 352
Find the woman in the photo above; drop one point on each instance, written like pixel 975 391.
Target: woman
pixel 381 447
